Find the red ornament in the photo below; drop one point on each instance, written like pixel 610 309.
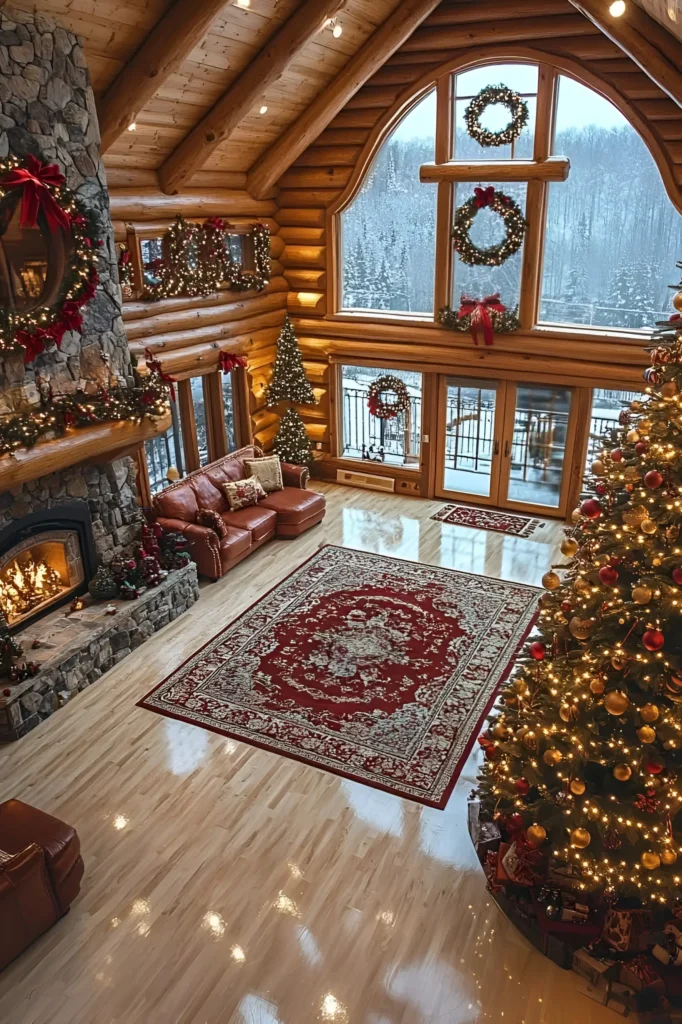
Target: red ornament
pixel 641 447
pixel 653 767
pixel 566 606
pixel 608 575
pixel 677 575
pixel 653 479
pixel 653 639
pixel 515 821
pixel 522 787
pixel 537 651
pixel 617 455
pixel 601 488
pixel 6 693
pixel 591 508
pixel 484 740
pixel 492 752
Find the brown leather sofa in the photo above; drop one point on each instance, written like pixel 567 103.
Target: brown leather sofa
pixel 285 513
pixel 41 878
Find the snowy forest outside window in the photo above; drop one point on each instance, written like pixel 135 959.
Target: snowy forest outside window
pixel 388 233
pixel 393 441
pixel 601 244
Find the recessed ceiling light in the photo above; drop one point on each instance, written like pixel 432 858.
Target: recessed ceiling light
pixel 617 8
pixel 337 30
pixel 263 109
pixel 243 3
pixel 132 126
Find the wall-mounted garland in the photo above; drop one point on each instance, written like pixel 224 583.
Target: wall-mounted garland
pixel 196 260
pixel 45 198
pixel 514 222
pixel 481 318
pixel 57 414
pixel 493 94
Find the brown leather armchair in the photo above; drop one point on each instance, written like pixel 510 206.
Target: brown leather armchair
pixel 285 513
pixel 40 875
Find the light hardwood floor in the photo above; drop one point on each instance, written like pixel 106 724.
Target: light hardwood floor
pixel 228 885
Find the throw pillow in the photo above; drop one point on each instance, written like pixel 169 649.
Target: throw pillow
pixel 213 520
pixel 268 470
pixel 242 493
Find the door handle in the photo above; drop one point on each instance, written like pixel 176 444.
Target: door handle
pixel 506 449
pixel 496 447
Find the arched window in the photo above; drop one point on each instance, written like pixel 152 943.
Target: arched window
pixel 600 247
pixel 388 233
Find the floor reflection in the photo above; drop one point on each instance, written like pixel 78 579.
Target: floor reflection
pixel 384 535
pixel 186 746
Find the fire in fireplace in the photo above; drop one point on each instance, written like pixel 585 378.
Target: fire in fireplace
pixel 46 558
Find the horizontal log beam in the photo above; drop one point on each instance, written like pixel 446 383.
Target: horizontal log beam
pixel 150 205
pixel 144 309
pixel 633 34
pixel 245 92
pixel 383 42
pixel 187 319
pixel 188 361
pixel 556 168
pixel 307 303
pixel 175 340
pixel 494 10
pixel 305 217
pixel 161 54
pixel 306 280
pixel 511 30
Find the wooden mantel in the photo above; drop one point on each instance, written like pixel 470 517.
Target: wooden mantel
pixel 101 443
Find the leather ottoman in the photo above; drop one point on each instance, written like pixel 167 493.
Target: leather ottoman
pixel 297 510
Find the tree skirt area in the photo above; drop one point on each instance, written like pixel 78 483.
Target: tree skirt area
pixel 374 668
pixel 488 519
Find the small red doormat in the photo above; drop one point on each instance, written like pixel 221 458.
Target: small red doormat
pixel 488 519
pixel 374 668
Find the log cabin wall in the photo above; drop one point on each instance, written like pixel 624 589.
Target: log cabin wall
pixel 187 334
pixel 325 176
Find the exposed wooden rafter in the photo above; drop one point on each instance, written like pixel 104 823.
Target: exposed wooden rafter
pixel 160 55
pixel 245 92
pixel 381 45
pixel 637 35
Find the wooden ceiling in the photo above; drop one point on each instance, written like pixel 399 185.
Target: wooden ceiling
pixel 667 12
pixel 113 31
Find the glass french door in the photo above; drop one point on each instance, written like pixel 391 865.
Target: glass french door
pixel 504 443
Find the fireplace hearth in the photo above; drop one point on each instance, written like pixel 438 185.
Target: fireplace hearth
pixel 46 559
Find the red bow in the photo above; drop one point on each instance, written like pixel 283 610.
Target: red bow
pixel 484 196
pixel 229 361
pixel 155 366
pixel 214 222
pixel 479 310
pixel 36 179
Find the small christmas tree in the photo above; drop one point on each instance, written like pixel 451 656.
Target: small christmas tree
pixel 292 443
pixel 583 758
pixel 289 382
pixel 10 649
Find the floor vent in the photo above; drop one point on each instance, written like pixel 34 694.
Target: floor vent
pixel 366 480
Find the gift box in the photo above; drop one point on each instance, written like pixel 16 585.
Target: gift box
pixel 640 974
pixel 627 930
pixel 593 970
pixel 485 835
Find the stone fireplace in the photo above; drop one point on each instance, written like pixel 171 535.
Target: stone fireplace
pixel 68 504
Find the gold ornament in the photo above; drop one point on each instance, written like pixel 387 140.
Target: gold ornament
pixel 551 581
pixel 530 740
pixel 619 661
pixel 656 561
pixel 580 838
pixel 669 389
pixel 500 731
pixel 634 516
pixel 646 734
pixel 668 856
pixel 577 787
pixel 552 756
pixel 672 533
pixel 536 835
pixel 649 712
pixel 616 702
pixel 569 712
pixel 597 687
pixel 632 436
pixel 598 467
pixel 622 772
pixel 576 515
pixel 520 733
pixel 641 594
pixel 521 686
pixel 648 526
pixel 631 472
pixel 569 547
pixel 644 425
pixel 580 585
pixel 650 860
pixel 581 628
pixel 677 301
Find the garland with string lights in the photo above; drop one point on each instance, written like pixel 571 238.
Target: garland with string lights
pixel 148 398
pixel 514 222
pixel 196 260
pixel 40 189
pixel 481 318
pixel 493 94
pixel 584 752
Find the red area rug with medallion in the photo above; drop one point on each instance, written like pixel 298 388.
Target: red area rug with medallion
pixel 371 667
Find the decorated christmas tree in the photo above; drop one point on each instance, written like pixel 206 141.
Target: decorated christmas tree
pixel 584 753
pixel 292 443
pixel 289 382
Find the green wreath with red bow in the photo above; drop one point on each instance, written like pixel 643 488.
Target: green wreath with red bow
pixel 43 194
pixel 514 222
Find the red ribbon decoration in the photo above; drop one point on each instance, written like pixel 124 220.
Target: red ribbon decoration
pixel 484 196
pixel 479 310
pixel 229 361
pixel 35 179
pixel 155 366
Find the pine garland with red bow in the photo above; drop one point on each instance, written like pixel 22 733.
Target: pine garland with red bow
pixel 481 318
pixel 230 361
pixel 46 202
